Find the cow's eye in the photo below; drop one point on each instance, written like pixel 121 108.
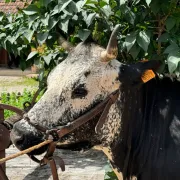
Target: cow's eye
pixel 79 92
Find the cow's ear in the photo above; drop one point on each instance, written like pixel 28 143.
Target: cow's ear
pixel 139 73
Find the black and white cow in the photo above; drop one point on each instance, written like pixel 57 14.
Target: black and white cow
pixel 142 131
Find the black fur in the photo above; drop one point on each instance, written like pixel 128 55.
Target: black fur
pixel 149 143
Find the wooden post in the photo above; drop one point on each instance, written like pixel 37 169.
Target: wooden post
pixel 4 141
pixel 3 147
pixel 3 57
pixel 2 152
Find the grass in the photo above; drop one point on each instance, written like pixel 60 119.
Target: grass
pixel 109 173
pixel 16 100
pixel 17 84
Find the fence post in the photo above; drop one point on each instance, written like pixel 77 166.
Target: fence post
pixel 2 152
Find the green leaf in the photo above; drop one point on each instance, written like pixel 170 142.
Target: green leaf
pixel 32 19
pixel 62 4
pixel 107 168
pixel 178 70
pixel 22 65
pixel 41 37
pixel 72 7
pixel 84 14
pixel 107 11
pixel 148 2
pixel 47 58
pixel 164 38
pixel 79 5
pixel 143 40
pixel 45 20
pixel 32 54
pixel 106 1
pixel 10 26
pixel 41 76
pixel 84 34
pixel 1 16
pixel 36 25
pixel 10 18
pixel 136 2
pixel 128 14
pixel 21 31
pixel 55 10
pixel 130 40
pixel 52 22
pixel 44 2
pixel 90 18
pixel 68 12
pixel 28 34
pixel 75 17
pixel 63 25
pixel 122 2
pixel 170 23
pixel 135 51
pixel 2 35
pixel 173 48
pixel 19 49
pixel 109 173
pixel 103 3
pixel 155 6
pixel 11 39
pixel 173 61
pixel 31 9
pixel 91 2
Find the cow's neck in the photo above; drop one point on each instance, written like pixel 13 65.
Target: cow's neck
pixel 140 123
pixel 128 104
pixel 111 128
pixel 110 133
pixel 120 128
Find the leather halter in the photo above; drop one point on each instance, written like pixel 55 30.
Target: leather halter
pixel 56 134
pixel 103 107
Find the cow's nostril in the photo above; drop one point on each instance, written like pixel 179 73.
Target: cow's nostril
pixel 18 140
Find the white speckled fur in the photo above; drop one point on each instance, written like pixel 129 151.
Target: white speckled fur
pixel 101 81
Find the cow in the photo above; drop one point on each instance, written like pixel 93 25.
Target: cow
pixel 141 132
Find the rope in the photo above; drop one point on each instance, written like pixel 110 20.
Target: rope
pixel 25 151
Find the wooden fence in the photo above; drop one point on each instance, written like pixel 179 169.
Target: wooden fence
pixel 3 57
pixel 2 148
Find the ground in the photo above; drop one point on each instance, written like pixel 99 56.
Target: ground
pixel 15 80
pixel 16 83
pixel 79 166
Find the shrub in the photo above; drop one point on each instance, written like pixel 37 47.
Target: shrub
pixel 17 100
pixel 149 29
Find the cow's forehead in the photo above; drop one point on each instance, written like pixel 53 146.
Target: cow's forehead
pixel 82 61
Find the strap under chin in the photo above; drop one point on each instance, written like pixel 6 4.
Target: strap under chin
pixel 102 119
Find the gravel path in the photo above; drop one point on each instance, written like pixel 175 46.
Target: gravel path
pixel 79 166
pixel 14 84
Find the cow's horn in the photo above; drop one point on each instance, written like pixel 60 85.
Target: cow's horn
pixel 112 48
pixel 64 43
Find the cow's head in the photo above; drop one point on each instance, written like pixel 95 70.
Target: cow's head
pixel 84 79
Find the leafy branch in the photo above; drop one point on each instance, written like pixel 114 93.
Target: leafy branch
pixel 149 29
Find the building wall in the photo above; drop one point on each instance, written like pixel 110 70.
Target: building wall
pixel 3 57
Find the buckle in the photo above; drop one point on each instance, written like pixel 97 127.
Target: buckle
pixel 52 134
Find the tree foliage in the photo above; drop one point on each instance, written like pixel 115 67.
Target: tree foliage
pixel 149 29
